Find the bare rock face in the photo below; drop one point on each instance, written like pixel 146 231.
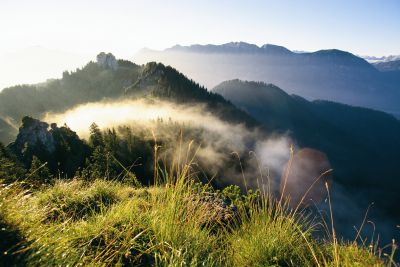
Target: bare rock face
pixel 107 61
pixel 60 147
pixel 32 133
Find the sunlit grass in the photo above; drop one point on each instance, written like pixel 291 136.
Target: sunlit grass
pixel 108 223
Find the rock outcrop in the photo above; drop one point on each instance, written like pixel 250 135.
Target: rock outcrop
pixel 60 147
pixel 32 133
pixel 107 61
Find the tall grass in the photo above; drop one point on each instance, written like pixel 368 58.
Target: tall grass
pixel 107 223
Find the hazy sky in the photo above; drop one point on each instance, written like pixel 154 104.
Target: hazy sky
pixel 360 26
pixel 366 27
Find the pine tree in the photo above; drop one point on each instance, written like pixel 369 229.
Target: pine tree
pixel 96 137
pixel 98 166
pixel 39 173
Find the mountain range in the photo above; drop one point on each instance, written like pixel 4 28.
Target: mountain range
pixel 362 144
pixel 326 74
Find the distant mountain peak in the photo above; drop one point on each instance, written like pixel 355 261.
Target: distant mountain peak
pixel 240 45
pixel 341 57
pixel 275 49
pixel 231 47
pixel 336 52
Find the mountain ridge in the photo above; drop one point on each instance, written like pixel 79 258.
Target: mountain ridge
pixel 360 143
pixel 98 81
pixel 244 47
pixel 330 74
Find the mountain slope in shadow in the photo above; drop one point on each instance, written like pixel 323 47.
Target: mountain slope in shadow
pixel 362 144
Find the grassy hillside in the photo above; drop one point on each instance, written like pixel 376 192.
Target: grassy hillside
pixel 177 222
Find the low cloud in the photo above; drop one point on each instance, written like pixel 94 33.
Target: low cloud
pixel 217 139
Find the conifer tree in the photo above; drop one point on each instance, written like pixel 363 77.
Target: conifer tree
pixel 39 173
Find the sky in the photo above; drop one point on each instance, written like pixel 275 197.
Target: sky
pixel 78 30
